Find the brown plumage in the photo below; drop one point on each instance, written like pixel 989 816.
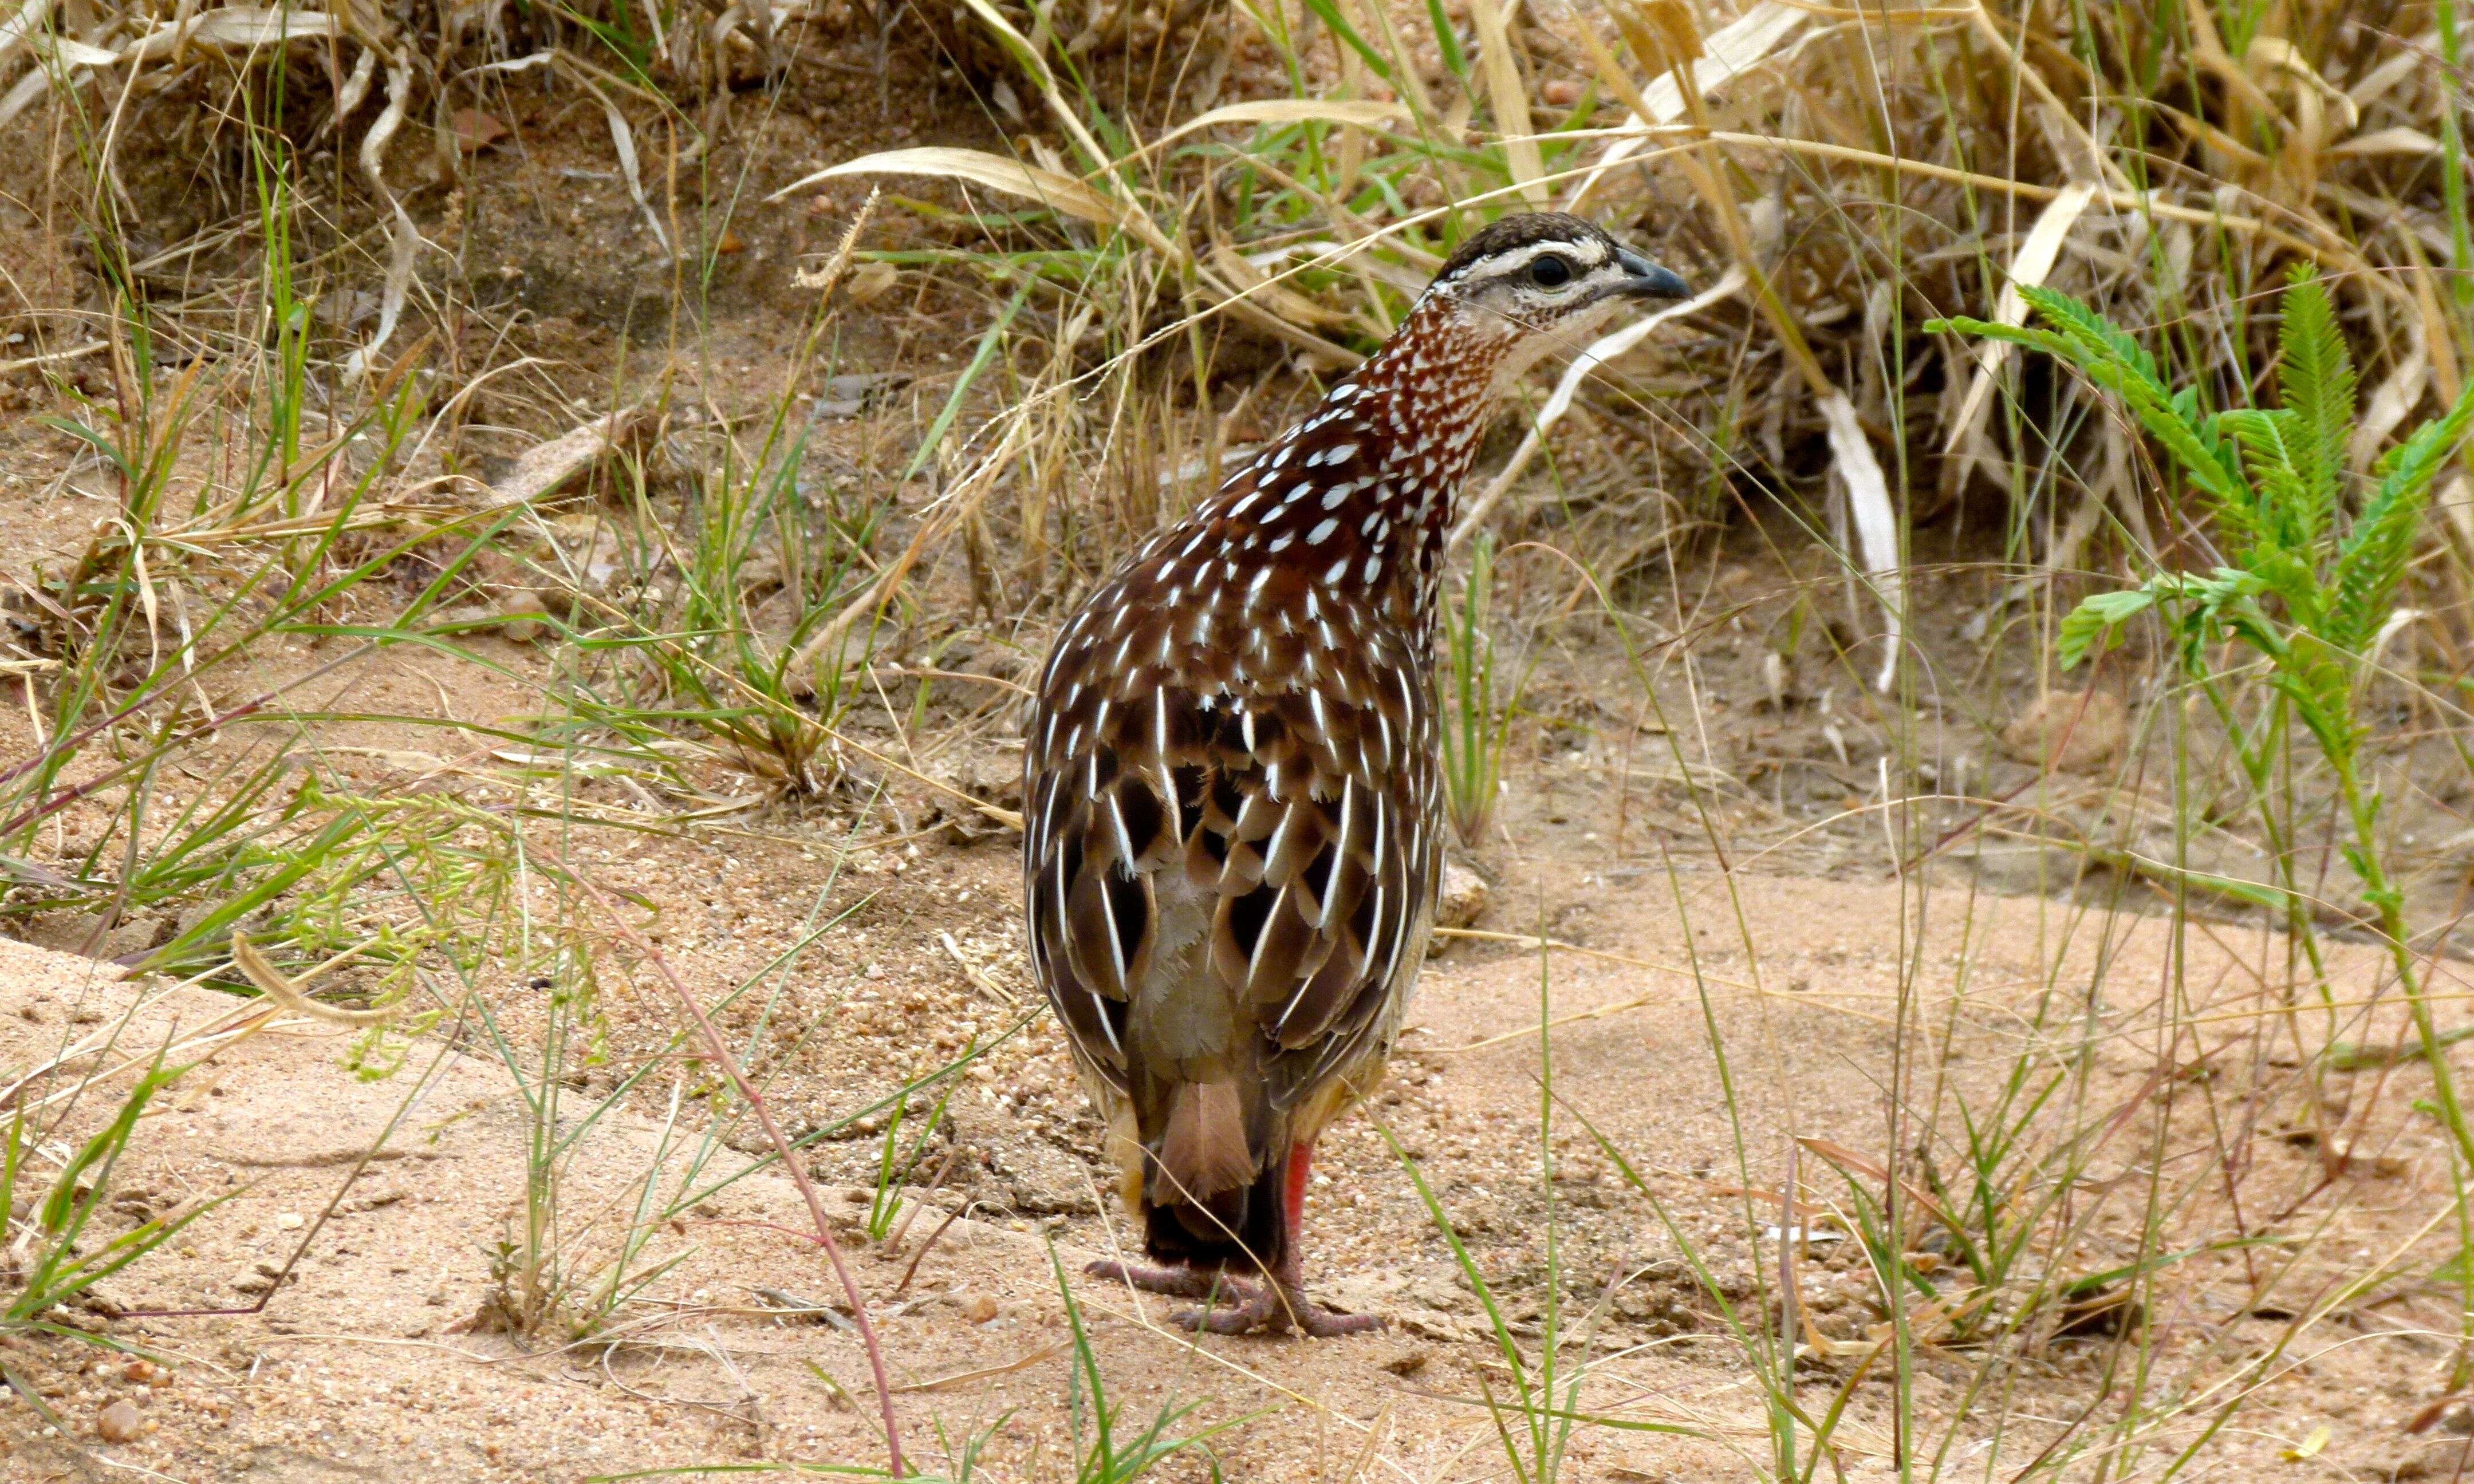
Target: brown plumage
pixel 1233 832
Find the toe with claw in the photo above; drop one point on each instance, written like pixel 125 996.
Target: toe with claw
pixel 1176 1283
pixel 1270 1307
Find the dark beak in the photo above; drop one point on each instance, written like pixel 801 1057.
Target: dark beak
pixel 1648 281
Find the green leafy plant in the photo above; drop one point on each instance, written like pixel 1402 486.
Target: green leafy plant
pixel 2312 587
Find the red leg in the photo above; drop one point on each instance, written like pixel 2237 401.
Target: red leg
pixel 1300 1166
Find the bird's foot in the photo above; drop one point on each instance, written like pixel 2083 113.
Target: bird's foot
pixel 1274 1308
pixel 1324 1323
pixel 1271 1308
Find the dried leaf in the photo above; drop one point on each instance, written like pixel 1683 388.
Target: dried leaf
pixel 623 140
pixel 243 27
pixel 869 282
pixel 1678 34
pixel 475 130
pixel 2388 141
pixel 1050 189
pixel 2030 268
pixel 27 22
pixel 2309 1448
pixel 2428 1416
pixel 404 238
pixel 2391 400
pixel 22 94
pixel 544 467
pixel 1288 110
pixel 1728 52
pixel 2455 501
pixel 1852 465
pixel 70 53
pixel 1508 99
pixel 355 90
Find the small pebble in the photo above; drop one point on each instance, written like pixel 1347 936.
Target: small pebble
pixel 2070 732
pixel 119 1422
pixel 978 1308
pixel 1463 899
pixel 289 1221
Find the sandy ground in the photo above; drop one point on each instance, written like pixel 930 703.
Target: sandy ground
pixel 381 1201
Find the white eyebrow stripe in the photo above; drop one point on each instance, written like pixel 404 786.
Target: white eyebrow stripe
pixel 1587 252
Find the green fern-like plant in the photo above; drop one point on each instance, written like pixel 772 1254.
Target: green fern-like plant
pixel 2310 587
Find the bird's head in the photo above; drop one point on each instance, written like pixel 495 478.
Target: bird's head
pixel 1539 282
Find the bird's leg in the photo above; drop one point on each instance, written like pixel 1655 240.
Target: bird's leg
pixel 1281 1302
pixel 1309 1316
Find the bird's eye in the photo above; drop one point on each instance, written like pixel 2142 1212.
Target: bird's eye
pixel 1550 271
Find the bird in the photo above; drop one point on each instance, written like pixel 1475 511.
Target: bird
pixel 1232 826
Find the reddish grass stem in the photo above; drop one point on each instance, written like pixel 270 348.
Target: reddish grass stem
pixel 721 1054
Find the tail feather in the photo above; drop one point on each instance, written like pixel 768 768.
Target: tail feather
pixel 1209 1197
pixel 1241 1228
pixel 1204 1152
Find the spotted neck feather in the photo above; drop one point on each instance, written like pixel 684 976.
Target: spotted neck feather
pixel 1356 499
